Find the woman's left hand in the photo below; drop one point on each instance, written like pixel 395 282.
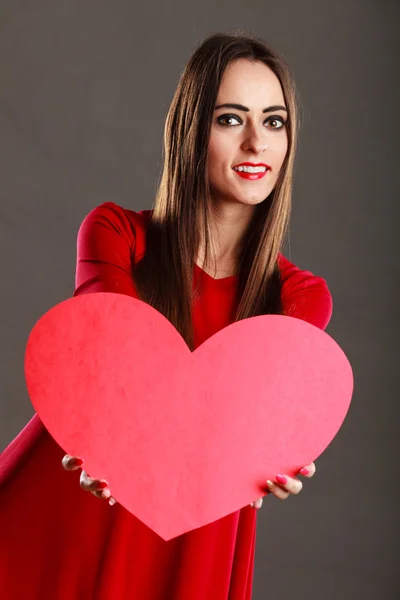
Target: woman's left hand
pixel 285 486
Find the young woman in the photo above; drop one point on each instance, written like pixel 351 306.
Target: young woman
pixel 207 255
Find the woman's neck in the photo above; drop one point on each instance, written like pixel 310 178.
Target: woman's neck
pixel 228 224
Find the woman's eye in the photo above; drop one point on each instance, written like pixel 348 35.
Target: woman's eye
pixel 226 118
pixel 281 123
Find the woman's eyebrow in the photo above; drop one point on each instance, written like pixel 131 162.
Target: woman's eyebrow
pixel 241 107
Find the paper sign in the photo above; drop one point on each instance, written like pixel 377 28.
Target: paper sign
pixel 184 438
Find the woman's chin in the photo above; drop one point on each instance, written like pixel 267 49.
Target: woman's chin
pixel 241 199
pixel 251 200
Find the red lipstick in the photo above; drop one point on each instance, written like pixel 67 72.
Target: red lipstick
pixel 252 176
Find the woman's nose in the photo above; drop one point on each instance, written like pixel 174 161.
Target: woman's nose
pixel 255 143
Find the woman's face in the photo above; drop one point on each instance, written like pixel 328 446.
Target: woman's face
pixel 253 131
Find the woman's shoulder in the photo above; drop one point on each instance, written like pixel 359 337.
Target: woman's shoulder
pixel 304 294
pixel 117 215
pixel 129 225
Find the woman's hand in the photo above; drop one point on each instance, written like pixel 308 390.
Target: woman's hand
pixel 98 487
pixel 282 488
pixel 285 486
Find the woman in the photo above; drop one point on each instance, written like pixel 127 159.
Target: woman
pixel 209 254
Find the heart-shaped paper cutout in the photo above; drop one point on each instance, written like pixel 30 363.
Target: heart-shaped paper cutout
pixel 184 438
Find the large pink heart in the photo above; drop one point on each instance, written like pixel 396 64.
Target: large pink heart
pixel 184 438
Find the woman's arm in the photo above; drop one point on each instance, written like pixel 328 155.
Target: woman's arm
pixel 304 295
pixel 105 247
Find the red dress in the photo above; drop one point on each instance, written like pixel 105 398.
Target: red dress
pixel 61 543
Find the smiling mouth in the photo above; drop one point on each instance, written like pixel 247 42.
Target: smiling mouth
pixel 251 175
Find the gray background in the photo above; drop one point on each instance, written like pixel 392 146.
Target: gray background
pixel 84 90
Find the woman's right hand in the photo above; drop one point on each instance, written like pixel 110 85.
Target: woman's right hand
pixel 98 487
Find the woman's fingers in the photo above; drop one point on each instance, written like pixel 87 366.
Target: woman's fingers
pixel 277 490
pixel 71 463
pixel 257 503
pixel 90 484
pixel 308 470
pixel 284 486
pixel 98 487
pixel 105 494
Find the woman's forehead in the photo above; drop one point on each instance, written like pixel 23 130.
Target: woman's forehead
pixel 245 82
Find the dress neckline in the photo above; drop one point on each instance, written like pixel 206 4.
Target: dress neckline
pixel 214 280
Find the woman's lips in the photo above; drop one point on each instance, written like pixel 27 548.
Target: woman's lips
pixel 251 176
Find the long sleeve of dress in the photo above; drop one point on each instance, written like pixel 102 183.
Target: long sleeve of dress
pixel 105 247
pixel 304 295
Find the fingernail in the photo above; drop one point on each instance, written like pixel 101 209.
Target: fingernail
pixel 281 479
pixel 102 484
pixel 78 462
pixel 270 483
pixel 304 471
pixel 111 501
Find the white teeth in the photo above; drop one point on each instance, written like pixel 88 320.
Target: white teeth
pixel 251 169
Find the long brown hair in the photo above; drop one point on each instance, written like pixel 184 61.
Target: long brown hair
pixel 164 277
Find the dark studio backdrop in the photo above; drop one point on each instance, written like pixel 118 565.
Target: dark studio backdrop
pixel 84 91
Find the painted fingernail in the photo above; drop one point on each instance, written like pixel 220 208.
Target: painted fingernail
pixel 78 462
pixel 281 479
pixel 102 484
pixel 304 471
